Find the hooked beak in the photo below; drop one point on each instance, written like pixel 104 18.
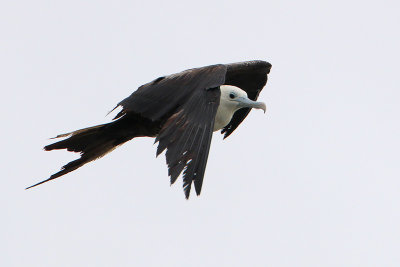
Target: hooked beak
pixel 247 103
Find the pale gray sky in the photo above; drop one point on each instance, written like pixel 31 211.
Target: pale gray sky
pixel 314 182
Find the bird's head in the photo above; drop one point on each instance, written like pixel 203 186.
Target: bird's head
pixel 236 98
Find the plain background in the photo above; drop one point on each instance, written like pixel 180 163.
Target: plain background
pixel 314 182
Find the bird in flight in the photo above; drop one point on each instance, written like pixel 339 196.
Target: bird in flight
pixel 181 111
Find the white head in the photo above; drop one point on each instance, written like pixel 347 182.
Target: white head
pixel 234 98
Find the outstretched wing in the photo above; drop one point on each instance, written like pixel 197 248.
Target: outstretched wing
pixel 187 136
pixel 160 98
pixel 250 76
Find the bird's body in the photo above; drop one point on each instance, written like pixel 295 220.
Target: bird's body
pixel 181 111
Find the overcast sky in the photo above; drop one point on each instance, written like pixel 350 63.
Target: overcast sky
pixel 313 182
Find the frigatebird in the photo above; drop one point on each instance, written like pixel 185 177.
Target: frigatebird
pixel 181 111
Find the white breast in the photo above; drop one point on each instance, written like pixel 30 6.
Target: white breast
pixel 223 116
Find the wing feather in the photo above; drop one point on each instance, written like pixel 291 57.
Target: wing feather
pixel 250 76
pixel 163 96
pixel 187 137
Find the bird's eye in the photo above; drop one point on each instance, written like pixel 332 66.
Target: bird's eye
pixel 232 95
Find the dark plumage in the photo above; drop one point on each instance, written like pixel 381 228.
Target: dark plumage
pixel 180 111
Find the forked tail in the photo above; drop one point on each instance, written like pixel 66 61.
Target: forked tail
pixel 92 143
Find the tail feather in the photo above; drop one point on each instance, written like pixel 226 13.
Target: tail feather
pixel 92 143
pixel 79 140
pixel 84 130
pixel 73 165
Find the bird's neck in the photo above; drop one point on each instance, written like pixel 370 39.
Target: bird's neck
pixel 224 115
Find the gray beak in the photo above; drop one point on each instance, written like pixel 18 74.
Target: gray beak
pixel 247 103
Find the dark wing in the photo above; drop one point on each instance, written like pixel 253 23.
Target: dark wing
pixel 157 99
pixel 187 137
pixel 250 76
pixel 185 104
